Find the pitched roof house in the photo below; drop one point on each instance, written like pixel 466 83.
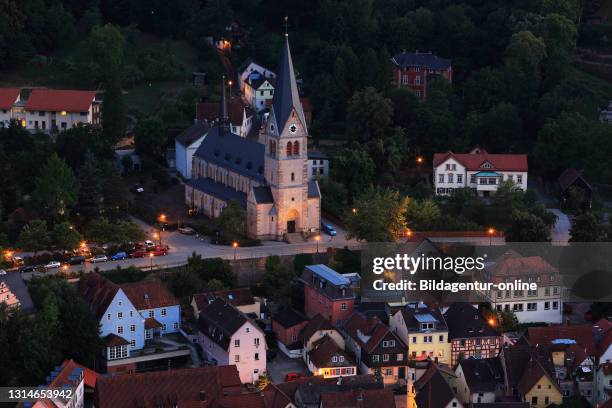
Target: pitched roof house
pixel 287 325
pixel 413 70
pixel 326 358
pixel 316 328
pixel 228 336
pixel 433 391
pixel 186 144
pixel 9 97
pixel 241 116
pixel 479 380
pixel 70 376
pixel 376 348
pixel 53 109
pixel 241 298
pixel 469 333
pixel 204 387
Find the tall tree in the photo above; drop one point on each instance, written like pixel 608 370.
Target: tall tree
pixel 526 227
pixel 56 189
pixel 65 237
pixel 113 110
pixel 150 138
pixel 90 198
pixel 231 221
pixel 587 227
pixel 35 237
pixel 369 115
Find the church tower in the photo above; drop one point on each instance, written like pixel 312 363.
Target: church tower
pixel 285 138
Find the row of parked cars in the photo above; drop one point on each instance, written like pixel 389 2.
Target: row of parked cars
pixel 141 249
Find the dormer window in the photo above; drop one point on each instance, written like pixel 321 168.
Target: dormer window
pixel 487 165
pixel 427 326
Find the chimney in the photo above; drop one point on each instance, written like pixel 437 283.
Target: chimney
pixel 203 396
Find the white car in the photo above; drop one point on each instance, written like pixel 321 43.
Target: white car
pixel 99 258
pixel 2 272
pixel 52 265
pixel 149 244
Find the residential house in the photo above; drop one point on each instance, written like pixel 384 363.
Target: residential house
pixel 479 380
pixel 186 144
pixel 573 353
pixel 257 84
pixel 574 179
pixel 414 70
pixel 240 116
pixel 603 384
pixel 9 97
pixel 213 386
pixel 377 349
pixel 326 358
pixel 317 328
pixel 69 375
pixel 479 170
pixel 470 334
pixel 318 165
pixel 228 336
pixel 241 298
pixel 544 304
pixel 130 315
pixel 56 110
pixel 358 398
pixel 434 391
pixel 329 293
pixel 529 375
pixel 424 330
pixel 14 292
pixel 287 325
pixel 603 330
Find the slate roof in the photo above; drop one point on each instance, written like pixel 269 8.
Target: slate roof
pixel 288 318
pixel 149 295
pixel 432 390
pixel 220 320
pixel 193 133
pixel 8 96
pixel 218 190
pixel 57 100
pixel 98 292
pixel 421 59
pixel 309 390
pixel 263 195
pixel 184 387
pixel 286 96
pixel 482 375
pixel 380 398
pixel 466 321
pixel 17 286
pixel 228 150
pixel 236 297
pixel 330 283
pixel 474 161
pixel 410 315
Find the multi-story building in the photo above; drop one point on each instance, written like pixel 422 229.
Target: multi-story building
pixel 55 109
pixel 72 377
pixel 318 165
pixel 544 304
pixel 329 293
pixel 228 336
pixel 433 390
pixel 424 330
pixel 9 97
pixel 603 385
pixel 130 315
pixel 414 70
pixel 479 381
pixel 327 359
pixel 287 325
pixel 257 84
pixel 479 170
pixel 470 334
pixel 377 349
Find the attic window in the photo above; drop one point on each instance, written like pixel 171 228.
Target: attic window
pixel 487 165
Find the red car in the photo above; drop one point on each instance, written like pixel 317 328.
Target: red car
pixel 138 254
pixel 290 377
pixel 159 252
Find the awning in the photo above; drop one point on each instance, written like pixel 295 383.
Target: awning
pixel 487 174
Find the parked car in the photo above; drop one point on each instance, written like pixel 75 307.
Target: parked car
pixel 53 265
pixel 159 252
pixel 2 272
pixel 119 256
pixel 25 269
pixel 149 244
pixel 290 377
pixel 137 189
pixel 186 231
pixel 138 254
pixel 328 229
pixel 18 261
pixel 99 258
pixel 77 260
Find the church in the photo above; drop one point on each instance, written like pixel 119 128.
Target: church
pixel 268 178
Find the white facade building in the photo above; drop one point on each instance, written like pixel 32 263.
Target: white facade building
pixel 185 145
pixel 478 170
pixel 318 165
pixel 9 98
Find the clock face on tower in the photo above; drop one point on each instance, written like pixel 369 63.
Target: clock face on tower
pixel 293 128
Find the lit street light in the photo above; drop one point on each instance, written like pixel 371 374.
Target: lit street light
pixel 235 245
pixel 491 231
pixel 318 238
pixel 230 83
pixel 151 258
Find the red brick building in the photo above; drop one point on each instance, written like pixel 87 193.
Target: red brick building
pixel 329 293
pixel 413 70
pixel 287 325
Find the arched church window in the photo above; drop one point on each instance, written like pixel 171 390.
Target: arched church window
pixel 272 148
pixel 296 148
pixel 289 150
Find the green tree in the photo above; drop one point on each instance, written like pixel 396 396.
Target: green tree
pixel 423 215
pixel 507 321
pixel 378 216
pixel 105 53
pixel 114 190
pixel 65 237
pixel 231 221
pixel 526 227
pixel 56 189
pixel 185 282
pixel 560 37
pixel 150 138
pixel 113 110
pixel 215 285
pixel 34 237
pixel 277 280
pixel 90 199
pixel 587 227
pixel 495 128
pixel 354 168
pixel 369 115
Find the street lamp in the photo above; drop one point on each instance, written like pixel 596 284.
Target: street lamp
pixel 318 238
pixel 235 245
pixel 408 233
pixel 354 211
pixel 230 83
pixel 419 160
pixel 491 231
pixel 151 258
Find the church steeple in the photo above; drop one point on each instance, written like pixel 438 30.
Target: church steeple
pixel 286 96
pixel 223 118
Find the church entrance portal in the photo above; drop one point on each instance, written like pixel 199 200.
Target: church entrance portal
pixel 290 227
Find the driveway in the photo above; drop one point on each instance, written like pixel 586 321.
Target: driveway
pixel 281 365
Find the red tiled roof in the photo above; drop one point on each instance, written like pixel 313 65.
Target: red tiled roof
pixel 149 295
pixel 512 264
pixel 98 292
pixel 380 398
pixel 582 334
pixel 114 340
pixel 534 371
pixel 324 349
pixel 151 323
pixel 275 396
pixel 253 400
pixel 605 343
pixel 90 378
pixel 189 387
pixel 56 100
pixel 473 161
pixel 210 111
pixel 8 96
pixel 236 297
pixel 372 328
